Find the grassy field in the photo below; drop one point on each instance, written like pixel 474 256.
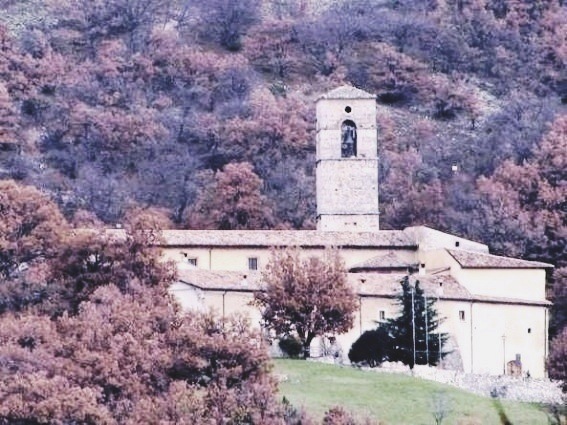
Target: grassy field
pixel 394 399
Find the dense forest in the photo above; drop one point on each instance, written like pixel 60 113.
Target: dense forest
pixel 206 110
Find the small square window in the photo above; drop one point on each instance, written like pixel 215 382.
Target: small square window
pixel 253 263
pixel 462 315
pixel 382 315
pixel 192 261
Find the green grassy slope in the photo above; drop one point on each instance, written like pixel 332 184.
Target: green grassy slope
pixel 392 398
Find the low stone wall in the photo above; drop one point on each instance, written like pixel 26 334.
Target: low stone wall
pixel 505 387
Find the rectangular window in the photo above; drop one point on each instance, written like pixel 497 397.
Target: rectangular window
pixel 253 263
pixel 382 315
pixel 192 261
pixel 462 315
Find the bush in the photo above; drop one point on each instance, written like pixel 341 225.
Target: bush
pixel 291 346
pixel 371 348
pixel 557 360
pixel 337 416
pixel 226 21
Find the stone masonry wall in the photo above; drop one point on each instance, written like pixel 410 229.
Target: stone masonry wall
pixel 347 186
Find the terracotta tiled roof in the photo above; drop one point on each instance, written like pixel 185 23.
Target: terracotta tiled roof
pixel 221 280
pixel 304 238
pixel 389 260
pixel 366 284
pixel 347 92
pixel 478 260
pixel 502 300
pixel 388 285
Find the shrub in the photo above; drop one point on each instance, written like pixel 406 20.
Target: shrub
pixel 371 348
pixel 557 361
pixel 338 416
pixel 291 346
pixel 226 21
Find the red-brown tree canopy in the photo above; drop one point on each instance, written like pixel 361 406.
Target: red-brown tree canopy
pixel 306 297
pixel 46 264
pixel 232 201
pixel 557 361
pixel 126 358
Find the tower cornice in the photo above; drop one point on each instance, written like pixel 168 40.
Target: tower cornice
pixel 347 92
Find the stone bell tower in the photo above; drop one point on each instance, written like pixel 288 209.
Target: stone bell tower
pixel 347 161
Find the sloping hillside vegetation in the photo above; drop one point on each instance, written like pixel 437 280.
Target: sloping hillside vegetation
pixel 200 107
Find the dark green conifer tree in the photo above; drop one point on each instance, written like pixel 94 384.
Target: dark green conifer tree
pixel 418 321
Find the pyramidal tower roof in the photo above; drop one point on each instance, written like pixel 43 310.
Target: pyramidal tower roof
pixel 347 92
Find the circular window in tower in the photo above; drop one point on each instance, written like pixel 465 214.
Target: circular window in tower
pixel 348 109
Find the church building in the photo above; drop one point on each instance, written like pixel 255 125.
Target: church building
pixel 494 308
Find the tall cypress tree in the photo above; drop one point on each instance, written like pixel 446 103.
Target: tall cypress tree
pixel 418 320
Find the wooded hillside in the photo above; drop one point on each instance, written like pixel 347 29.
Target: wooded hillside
pixel 206 109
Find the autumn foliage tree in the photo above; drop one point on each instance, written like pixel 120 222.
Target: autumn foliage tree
pixel 8 120
pixel 48 265
pixel 272 47
pixel 95 21
pixel 32 231
pixel 337 415
pixel 95 257
pixel 523 208
pixel 227 21
pixel 411 196
pixel 232 201
pixel 306 297
pixel 557 360
pixel 130 358
pixel 31 227
pixel 14 66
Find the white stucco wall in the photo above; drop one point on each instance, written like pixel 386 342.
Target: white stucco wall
pixel 525 284
pixel 436 259
pixel 188 297
pixel 221 303
pixel 521 283
pixel 236 259
pixel 501 331
pixel 458 329
pixel 430 239
pixel 478 335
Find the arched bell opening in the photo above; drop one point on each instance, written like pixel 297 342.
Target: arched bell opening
pixel 348 139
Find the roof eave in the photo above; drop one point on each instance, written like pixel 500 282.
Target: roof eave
pixel 548 266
